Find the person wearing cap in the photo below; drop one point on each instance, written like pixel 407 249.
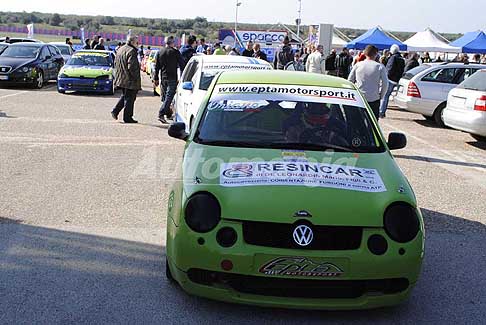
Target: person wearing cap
pixel 395 67
pixel 284 55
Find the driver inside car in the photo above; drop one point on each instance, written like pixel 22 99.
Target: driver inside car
pixel 314 123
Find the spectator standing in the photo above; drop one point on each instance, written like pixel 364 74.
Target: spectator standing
pixel 141 53
pixel 426 58
pixel 258 53
pixel 305 54
pixel 296 64
pixel 343 64
pixel 413 62
pixel 370 76
pixel 248 51
pixel 101 45
pixel 209 51
pixel 202 47
pixel 119 45
pixel 127 77
pixel 316 62
pixel 95 41
pixel 166 63
pixel 331 63
pixel 218 50
pixel 476 58
pixel 384 58
pixel 395 68
pixel 7 39
pixel 283 56
pixel 188 50
pixel 87 45
pixel 483 59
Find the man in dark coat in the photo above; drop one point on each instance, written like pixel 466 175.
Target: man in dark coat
pixel 127 78
pixel 166 62
pixel 395 67
pixel 343 64
pixel 412 62
pixel 248 52
pixel 188 50
pixel 284 56
pixel 258 53
pixel 331 63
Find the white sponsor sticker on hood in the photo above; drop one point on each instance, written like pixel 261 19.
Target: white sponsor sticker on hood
pixel 300 173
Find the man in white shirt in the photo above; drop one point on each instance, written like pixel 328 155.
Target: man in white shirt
pixel 316 62
pixel 371 79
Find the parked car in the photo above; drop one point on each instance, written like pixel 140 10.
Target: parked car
pixel 424 89
pixel 29 64
pixel 65 49
pixel 266 215
pixel 88 70
pixel 198 75
pixel 466 106
pixel 150 62
pixel 20 40
pixel 3 46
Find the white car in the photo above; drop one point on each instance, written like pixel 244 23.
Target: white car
pixel 197 77
pixel 466 106
pixel 424 89
pixel 65 49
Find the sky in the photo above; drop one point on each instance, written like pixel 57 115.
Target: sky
pixel 447 16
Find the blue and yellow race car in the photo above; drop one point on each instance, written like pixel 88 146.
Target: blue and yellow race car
pixel 88 70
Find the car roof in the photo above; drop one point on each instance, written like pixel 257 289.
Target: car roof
pixel 58 43
pixel 455 65
pixel 280 77
pixel 92 51
pixel 28 44
pixel 21 40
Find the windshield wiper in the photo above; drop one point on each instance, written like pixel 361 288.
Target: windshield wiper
pixel 309 146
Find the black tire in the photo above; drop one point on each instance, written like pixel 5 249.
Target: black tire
pixel 438 115
pixel 428 118
pixel 479 138
pixel 61 91
pixel 168 274
pixel 39 81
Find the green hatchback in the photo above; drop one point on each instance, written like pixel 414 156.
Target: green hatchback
pixel 290 197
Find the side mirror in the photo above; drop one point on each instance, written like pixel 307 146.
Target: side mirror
pixel 178 130
pixel 48 57
pixel 397 141
pixel 187 85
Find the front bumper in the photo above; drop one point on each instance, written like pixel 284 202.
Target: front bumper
pixel 85 84
pixel 466 120
pixel 366 281
pixel 19 78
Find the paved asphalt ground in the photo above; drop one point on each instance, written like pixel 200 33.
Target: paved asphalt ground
pixel 82 219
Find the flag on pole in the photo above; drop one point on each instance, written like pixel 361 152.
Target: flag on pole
pixel 30 31
pixel 82 35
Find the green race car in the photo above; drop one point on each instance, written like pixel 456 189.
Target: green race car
pixel 290 197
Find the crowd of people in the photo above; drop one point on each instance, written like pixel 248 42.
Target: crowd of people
pixel 375 74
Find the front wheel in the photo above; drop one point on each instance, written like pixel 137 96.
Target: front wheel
pixel 61 91
pixel 479 138
pixel 428 118
pixel 39 81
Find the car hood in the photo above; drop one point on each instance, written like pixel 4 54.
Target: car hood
pixel 76 71
pixel 338 202
pixel 15 63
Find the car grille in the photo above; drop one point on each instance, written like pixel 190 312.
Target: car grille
pixel 280 235
pixel 298 288
pixel 5 69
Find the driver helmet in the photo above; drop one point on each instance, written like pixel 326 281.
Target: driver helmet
pixel 316 114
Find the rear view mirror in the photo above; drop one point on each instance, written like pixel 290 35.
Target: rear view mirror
pixel 397 141
pixel 187 85
pixel 178 130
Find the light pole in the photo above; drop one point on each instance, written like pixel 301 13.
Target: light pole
pixel 299 20
pixel 238 3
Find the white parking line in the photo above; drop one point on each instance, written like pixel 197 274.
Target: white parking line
pixel 14 94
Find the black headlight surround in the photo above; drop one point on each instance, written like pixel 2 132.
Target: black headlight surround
pixel 203 212
pixel 401 222
pixel 103 77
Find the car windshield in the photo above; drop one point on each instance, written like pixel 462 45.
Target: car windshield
pixel 90 59
pixel 288 117
pixel 415 71
pixel 64 49
pixel 475 82
pixel 2 47
pixel 21 51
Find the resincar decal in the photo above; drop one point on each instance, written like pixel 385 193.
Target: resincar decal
pixel 301 173
pixel 288 92
pixel 300 266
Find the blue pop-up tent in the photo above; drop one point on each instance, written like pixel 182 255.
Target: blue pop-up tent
pixel 376 37
pixel 472 42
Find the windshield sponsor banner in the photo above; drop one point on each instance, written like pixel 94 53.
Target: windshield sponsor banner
pixel 339 96
pixel 217 67
pixel 91 54
pixel 301 173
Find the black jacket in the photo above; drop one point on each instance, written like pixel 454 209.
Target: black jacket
pixel 166 62
pixel 331 62
pixel 395 67
pixel 187 53
pixel 260 55
pixel 283 57
pixel 412 63
pixel 247 53
pixel 99 47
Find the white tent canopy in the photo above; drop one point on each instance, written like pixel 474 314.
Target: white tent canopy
pixel 429 41
pixel 338 42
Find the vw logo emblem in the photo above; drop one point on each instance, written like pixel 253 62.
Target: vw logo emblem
pixel 303 235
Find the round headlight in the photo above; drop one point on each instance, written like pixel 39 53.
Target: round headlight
pixel 26 69
pixel 203 212
pixel 401 222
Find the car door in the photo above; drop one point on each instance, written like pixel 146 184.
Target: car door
pixel 46 62
pixel 435 85
pixel 57 61
pixel 184 96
